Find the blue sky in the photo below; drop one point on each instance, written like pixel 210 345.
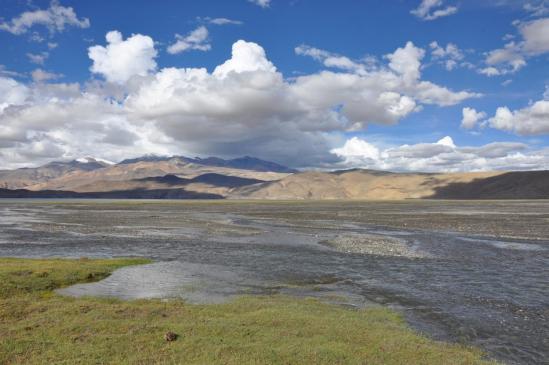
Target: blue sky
pixel 317 84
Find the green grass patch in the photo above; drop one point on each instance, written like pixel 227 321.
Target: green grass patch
pixel 38 326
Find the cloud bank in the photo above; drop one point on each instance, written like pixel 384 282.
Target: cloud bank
pixel 243 106
pixel 442 155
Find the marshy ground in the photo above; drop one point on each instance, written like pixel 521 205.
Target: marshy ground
pixel 39 327
pixel 473 273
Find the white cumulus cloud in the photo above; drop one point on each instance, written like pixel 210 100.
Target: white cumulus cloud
pixel 407 62
pixel 40 75
pixel 433 9
pixel 220 21
pixel 246 56
pixel 262 3
pixel 471 117
pixel 38 58
pixel 537 7
pixel 356 147
pixel 334 60
pixel 512 57
pixel 532 120
pixel 55 18
pixel 122 59
pixel 195 40
pixel 536 36
pixel 12 92
pixel 450 56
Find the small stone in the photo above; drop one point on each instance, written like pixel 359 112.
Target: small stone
pixel 170 336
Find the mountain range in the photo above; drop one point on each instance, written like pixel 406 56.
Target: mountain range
pixel 179 177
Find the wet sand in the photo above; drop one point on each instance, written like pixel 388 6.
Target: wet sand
pixel 471 272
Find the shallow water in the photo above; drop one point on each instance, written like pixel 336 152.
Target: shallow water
pixel 478 272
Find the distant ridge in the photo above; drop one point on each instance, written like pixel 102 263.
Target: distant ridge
pixel 178 177
pixel 71 174
pixel 244 163
pixel 145 158
pixel 14 179
pixel 88 164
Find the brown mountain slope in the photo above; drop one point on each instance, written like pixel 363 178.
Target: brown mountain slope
pixel 359 184
pixel 182 178
pixel 209 183
pixel 25 177
pixel 509 185
pixel 124 176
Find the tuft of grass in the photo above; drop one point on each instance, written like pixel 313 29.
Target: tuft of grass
pixel 37 326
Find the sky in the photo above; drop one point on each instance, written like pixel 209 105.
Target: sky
pixel 400 85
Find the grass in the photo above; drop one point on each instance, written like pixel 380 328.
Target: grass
pixel 37 326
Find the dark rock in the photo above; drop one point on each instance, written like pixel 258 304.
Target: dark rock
pixel 170 336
